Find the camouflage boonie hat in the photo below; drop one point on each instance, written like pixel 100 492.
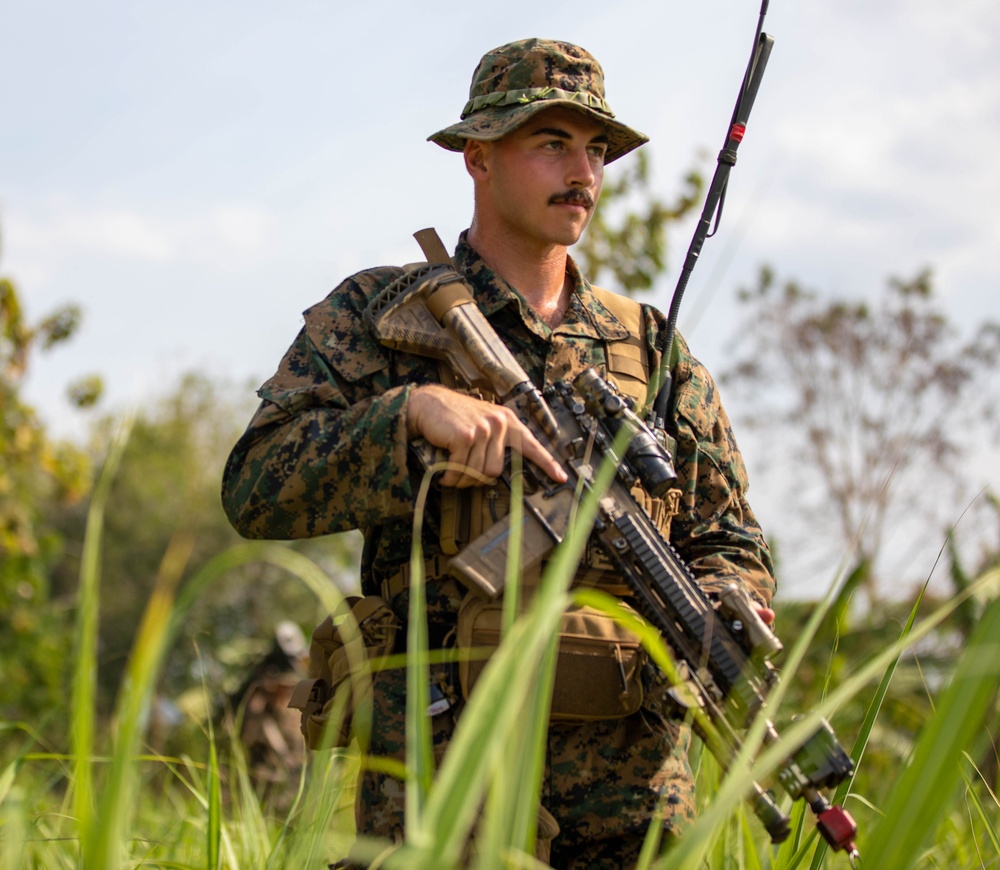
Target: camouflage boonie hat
pixel 517 80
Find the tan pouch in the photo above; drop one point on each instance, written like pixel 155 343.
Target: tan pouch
pixel 342 648
pixel 598 668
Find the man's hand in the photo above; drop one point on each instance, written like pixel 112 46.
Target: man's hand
pixel 475 434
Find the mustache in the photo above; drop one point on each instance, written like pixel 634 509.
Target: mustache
pixel 573 197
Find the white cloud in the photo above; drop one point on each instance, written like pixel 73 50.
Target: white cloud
pixel 57 231
pixel 240 228
pixel 108 232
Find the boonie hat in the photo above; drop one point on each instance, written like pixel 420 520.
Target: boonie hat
pixel 522 78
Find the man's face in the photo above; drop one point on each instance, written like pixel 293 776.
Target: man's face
pixel 540 182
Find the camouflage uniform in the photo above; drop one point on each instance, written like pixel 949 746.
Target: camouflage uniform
pixel 327 452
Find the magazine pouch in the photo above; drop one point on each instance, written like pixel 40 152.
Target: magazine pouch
pixel 598 668
pixel 343 647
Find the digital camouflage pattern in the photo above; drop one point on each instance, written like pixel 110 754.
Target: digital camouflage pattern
pixel 603 781
pixel 327 452
pixel 516 80
pixel 327 449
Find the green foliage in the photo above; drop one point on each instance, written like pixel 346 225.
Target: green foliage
pixel 935 768
pixel 86 391
pixel 154 564
pixel 159 811
pixel 627 236
pixel 168 489
pixel 38 476
pixel 104 813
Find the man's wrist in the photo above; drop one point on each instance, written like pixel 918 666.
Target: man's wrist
pixel 415 404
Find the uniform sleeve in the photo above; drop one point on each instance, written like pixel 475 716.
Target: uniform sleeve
pixel 327 449
pixel 716 531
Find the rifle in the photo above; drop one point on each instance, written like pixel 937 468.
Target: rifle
pixel 724 648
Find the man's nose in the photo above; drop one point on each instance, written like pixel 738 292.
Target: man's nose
pixel 580 171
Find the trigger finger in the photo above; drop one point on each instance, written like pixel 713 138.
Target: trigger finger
pixel 533 450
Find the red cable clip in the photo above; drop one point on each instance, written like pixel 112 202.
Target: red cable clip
pixel 737 132
pixel 838 829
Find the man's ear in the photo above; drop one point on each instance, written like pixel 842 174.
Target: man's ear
pixel 476 155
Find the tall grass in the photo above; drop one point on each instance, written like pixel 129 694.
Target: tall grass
pixel 105 805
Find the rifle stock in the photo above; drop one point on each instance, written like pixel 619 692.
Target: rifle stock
pixel 724 646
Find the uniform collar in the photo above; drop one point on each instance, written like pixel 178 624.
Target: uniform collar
pixel 585 317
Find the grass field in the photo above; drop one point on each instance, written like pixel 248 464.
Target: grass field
pixel 104 801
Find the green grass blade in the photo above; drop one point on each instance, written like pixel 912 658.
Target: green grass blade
pixel 796 848
pixel 489 721
pixel 7 779
pixel 82 706
pixel 214 806
pixel 689 851
pixel 932 776
pixel 419 748
pixel 103 843
pixel 101 838
pixel 651 843
pixel 750 858
pixel 510 820
pixel 13 823
pixel 526 798
pixel 476 749
pixel 295 563
pixel 512 585
pixel 871 716
pixel 989 824
pixel 324 799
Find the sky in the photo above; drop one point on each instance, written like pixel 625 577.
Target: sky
pixel 195 174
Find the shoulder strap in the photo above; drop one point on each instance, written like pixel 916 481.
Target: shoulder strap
pixel 625 308
pixel 630 355
pixel 634 349
pixel 629 312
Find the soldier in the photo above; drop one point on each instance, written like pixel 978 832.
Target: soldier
pixel 327 449
pixel 268 730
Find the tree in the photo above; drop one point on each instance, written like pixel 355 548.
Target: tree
pixel 627 234
pixel 168 484
pixel 37 476
pixel 872 403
